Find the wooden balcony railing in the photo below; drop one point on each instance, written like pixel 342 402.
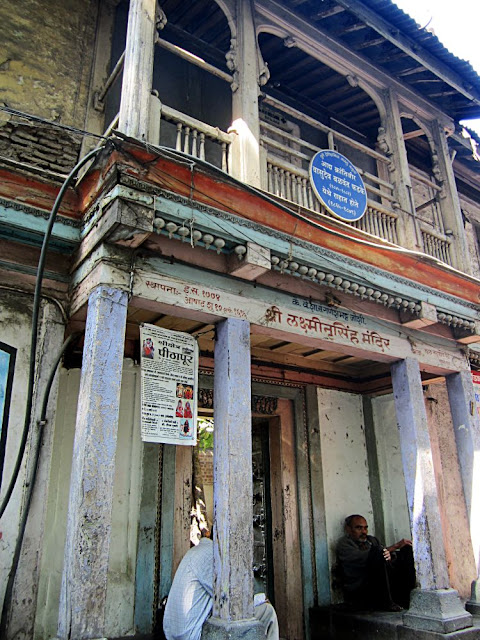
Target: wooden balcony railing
pixel 437 246
pixel 175 129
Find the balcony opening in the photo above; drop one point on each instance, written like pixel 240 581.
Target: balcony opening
pixel 426 181
pixel 307 106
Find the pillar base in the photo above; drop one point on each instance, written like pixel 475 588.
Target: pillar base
pixel 440 610
pixel 473 604
pixel 249 629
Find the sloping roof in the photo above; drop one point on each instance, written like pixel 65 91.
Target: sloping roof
pixel 389 38
pixel 390 11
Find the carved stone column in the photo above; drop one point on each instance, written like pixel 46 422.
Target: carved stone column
pixel 84 580
pixel 433 606
pixel 233 511
pixel 466 425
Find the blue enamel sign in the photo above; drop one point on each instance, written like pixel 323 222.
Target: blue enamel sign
pixel 338 185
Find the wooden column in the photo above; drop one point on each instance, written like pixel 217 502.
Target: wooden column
pixel 232 487
pixel 138 69
pixel 409 235
pixel 245 152
pixel 84 580
pixel 449 202
pixel 466 425
pixel 433 606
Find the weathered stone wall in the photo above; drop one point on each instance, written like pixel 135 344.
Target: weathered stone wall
pixel 46 56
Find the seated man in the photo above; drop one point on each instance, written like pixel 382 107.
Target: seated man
pixel 190 599
pixel 374 576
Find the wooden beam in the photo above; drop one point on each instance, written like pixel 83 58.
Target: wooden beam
pixel 328 13
pixel 411 71
pixel 357 26
pixel 292 360
pixel 413 134
pixel 370 43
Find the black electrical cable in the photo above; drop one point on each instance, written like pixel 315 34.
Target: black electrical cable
pixel 30 484
pixel 35 315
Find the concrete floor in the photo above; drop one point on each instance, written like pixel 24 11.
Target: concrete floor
pixel 338 624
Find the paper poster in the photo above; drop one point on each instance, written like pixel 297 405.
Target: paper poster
pixel 476 386
pixel 169 384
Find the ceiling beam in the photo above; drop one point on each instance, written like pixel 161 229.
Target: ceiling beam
pixel 413 134
pixel 321 15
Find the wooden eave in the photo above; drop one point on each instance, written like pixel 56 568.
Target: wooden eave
pixel 26 188
pixel 216 189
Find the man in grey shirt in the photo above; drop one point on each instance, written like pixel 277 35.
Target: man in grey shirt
pixel 190 599
pixel 373 576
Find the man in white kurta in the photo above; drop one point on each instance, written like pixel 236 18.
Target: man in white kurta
pixel 190 599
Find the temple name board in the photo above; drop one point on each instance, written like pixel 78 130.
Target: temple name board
pixel 358 333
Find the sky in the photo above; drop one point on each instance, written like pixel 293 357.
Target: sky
pixel 456 23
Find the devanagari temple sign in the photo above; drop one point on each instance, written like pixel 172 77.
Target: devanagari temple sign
pixel 296 316
pixel 169 381
pixel 338 185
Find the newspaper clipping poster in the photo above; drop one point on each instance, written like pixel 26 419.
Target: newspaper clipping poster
pixel 169 379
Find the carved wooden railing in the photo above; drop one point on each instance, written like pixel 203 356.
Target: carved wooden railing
pixel 191 135
pixel 437 246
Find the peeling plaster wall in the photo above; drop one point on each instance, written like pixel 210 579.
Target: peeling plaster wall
pixel 15 322
pixel 392 480
pixel 456 532
pixel 125 514
pixel 46 57
pixel 344 461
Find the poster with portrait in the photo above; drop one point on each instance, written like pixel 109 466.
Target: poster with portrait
pixel 476 386
pixel 169 385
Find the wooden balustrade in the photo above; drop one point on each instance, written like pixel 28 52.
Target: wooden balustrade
pixel 436 246
pixel 192 136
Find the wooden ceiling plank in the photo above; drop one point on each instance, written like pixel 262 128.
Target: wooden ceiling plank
pixel 357 26
pixel 292 360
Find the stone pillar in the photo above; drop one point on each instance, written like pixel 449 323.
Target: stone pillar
pixel 138 69
pixel 449 202
pixel 466 425
pixel 233 512
pixel 84 580
pixel 433 605
pixel 400 173
pixel 243 59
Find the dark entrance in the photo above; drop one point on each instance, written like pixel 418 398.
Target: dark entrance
pixel 262 510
